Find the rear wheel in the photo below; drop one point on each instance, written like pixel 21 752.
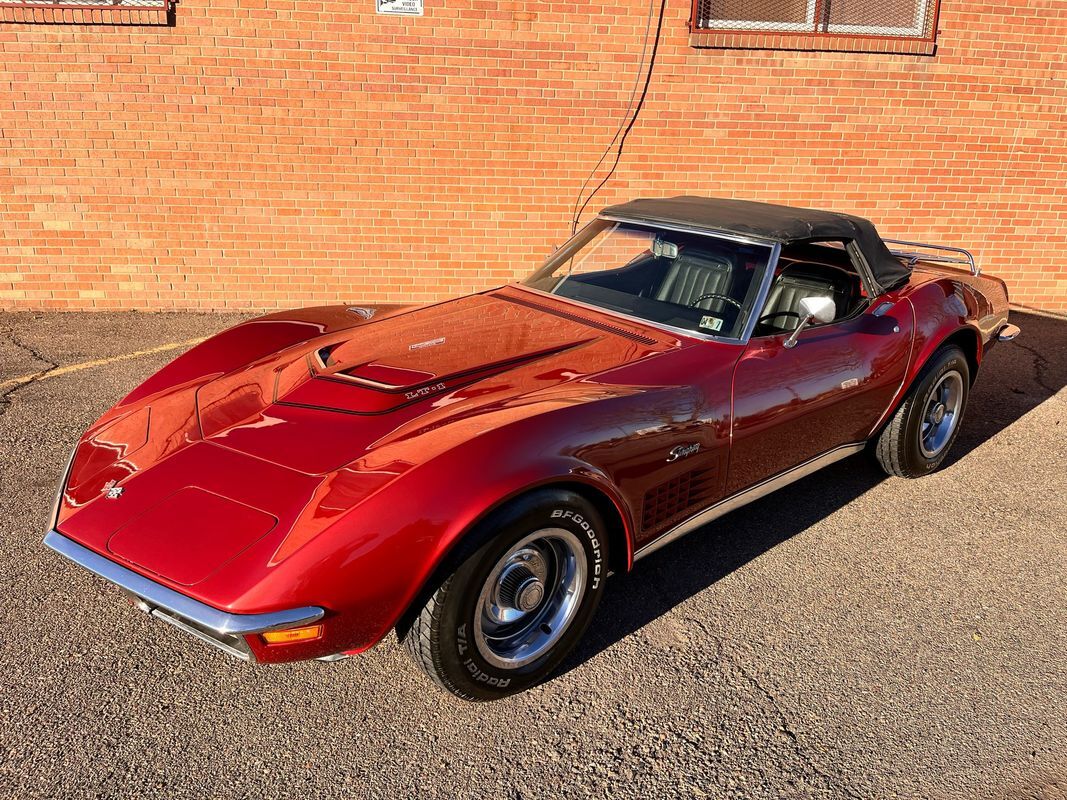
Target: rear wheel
pixel 518 599
pixel 921 432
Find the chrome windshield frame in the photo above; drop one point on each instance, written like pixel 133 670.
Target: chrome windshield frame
pixel 757 303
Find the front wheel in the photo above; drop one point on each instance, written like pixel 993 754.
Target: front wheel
pixel 518 599
pixel 922 430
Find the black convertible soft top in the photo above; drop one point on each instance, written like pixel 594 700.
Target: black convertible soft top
pixel 776 223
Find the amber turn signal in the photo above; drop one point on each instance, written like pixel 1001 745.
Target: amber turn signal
pixel 293 635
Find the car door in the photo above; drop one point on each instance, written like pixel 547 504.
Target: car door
pixel 831 389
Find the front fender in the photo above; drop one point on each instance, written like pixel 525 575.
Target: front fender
pixel 369 566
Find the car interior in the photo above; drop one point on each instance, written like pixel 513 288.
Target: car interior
pixel 697 282
pixel 689 281
pixel 810 270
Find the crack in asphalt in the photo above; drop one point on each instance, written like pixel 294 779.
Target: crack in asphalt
pixel 7 394
pixel 1040 366
pixel 832 783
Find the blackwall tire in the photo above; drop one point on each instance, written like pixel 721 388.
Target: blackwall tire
pixel 518 597
pixel 921 432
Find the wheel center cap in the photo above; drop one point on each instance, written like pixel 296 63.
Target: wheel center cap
pixel 530 594
pixel 938 414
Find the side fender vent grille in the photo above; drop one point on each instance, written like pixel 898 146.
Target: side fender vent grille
pixel 592 323
pixel 677 498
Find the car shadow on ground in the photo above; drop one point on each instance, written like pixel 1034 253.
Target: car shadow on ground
pixel 1015 378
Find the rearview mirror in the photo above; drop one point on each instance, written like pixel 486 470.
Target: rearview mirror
pixel 661 248
pixel 820 309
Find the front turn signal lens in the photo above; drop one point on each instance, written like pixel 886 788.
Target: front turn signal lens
pixel 293 635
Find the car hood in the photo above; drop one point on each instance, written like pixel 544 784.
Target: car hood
pixel 344 397
pixel 265 457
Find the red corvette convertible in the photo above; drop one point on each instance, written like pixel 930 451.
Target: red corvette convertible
pixel 469 473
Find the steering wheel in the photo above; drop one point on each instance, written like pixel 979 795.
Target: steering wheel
pixel 708 296
pixel 762 320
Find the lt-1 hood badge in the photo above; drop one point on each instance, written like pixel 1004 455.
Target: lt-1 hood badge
pixel 682 451
pixel 113 492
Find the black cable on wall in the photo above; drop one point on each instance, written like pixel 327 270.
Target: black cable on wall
pixel 632 113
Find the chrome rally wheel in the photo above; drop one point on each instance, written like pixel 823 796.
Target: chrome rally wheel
pixel 942 414
pixel 514 598
pixel 920 433
pixel 530 598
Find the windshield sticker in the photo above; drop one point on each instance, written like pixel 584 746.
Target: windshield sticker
pixel 710 323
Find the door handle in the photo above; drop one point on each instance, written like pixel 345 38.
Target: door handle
pixel 884 309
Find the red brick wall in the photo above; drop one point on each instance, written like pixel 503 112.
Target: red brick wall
pixel 266 154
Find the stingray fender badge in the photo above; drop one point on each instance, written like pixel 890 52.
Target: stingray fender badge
pixel 111 491
pixel 683 451
pixel 430 343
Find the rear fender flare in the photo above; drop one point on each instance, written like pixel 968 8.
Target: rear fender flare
pixel 941 316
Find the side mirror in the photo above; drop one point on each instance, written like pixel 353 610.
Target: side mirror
pixel 820 309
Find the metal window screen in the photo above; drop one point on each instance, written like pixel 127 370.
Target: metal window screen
pixel 894 18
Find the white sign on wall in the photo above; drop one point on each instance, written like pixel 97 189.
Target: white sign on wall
pixel 411 8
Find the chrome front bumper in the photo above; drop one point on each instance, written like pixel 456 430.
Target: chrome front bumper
pixel 219 628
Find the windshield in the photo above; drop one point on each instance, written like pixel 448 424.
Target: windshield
pixel 700 283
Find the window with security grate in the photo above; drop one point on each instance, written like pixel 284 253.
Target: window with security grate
pixel 898 19
pixel 113 12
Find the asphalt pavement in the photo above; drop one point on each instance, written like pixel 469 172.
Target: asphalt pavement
pixel 851 636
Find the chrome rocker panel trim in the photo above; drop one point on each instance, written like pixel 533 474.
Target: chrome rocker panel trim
pixel 157 599
pixel 746 496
